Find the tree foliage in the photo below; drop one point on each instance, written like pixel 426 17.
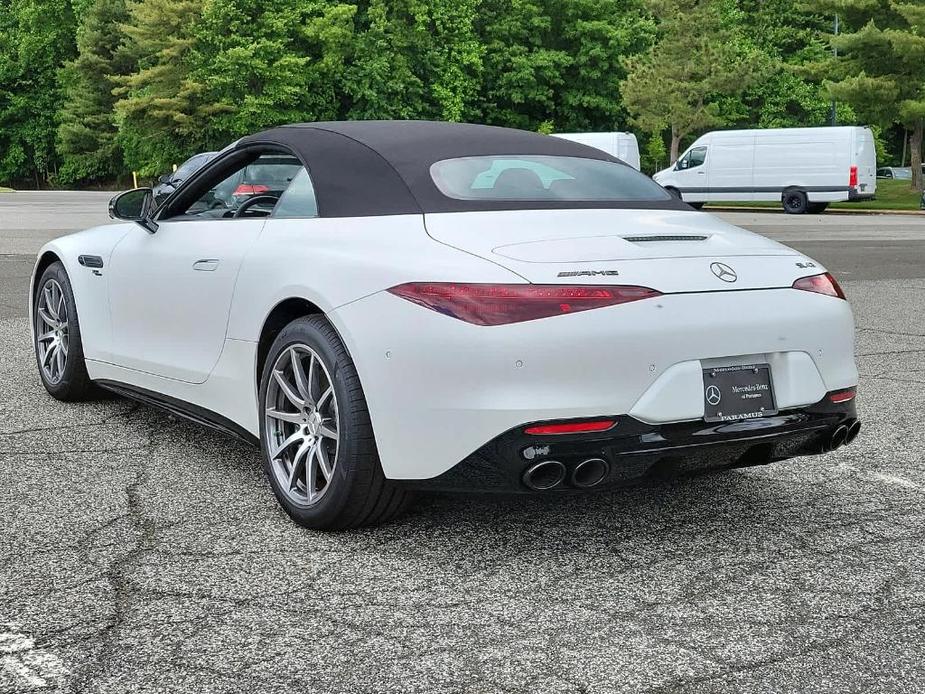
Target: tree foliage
pixel 93 89
pixel 87 134
pixel 689 80
pixel 882 66
pixel 36 38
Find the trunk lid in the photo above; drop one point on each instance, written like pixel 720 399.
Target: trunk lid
pixel 668 250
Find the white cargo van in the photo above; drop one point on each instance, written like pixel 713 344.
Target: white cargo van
pixel 803 168
pixel 620 145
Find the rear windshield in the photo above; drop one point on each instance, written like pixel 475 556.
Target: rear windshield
pixel 543 178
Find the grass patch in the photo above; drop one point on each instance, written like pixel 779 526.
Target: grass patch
pixel 891 195
pixel 6 190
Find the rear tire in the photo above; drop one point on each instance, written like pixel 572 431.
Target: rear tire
pixel 58 348
pixel 338 480
pixel 795 202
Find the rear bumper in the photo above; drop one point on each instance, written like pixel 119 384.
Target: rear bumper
pixel 636 452
pixel 438 389
pixel 854 195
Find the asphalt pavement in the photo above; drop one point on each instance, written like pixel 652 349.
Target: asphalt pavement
pixel 139 553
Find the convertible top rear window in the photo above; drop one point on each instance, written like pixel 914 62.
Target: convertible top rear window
pixel 543 178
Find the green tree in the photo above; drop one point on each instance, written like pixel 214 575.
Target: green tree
pixel 785 36
pixel 881 65
pixel 87 134
pixel 261 63
pixel 157 103
pixel 36 37
pixel 414 59
pixel 685 83
pixel 555 62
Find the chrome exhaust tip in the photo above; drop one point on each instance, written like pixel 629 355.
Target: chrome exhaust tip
pixel 853 431
pixel 589 473
pixel 544 475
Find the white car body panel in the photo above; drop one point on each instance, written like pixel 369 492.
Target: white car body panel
pixel 758 165
pixel 171 293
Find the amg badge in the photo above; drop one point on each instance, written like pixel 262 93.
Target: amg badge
pixel 589 273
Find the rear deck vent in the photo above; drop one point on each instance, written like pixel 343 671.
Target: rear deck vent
pixel 650 239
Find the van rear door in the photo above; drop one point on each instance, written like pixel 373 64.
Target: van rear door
pixel 864 157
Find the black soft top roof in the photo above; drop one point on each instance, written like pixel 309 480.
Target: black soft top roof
pixel 363 168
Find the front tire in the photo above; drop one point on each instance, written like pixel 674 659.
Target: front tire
pixel 316 438
pixel 58 348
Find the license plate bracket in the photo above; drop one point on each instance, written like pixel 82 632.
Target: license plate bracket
pixel 733 393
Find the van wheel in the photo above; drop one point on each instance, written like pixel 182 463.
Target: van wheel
pixel 675 192
pixel 697 205
pixel 818 207
pixel 795 202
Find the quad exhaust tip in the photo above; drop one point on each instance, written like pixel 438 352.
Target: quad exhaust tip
pixel 853 431
pixel 544 475
pixel 842 436
pixel 549 474
pixel 589 473
pixel 838 438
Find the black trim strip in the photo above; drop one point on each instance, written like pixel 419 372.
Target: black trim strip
pixel 767 189
pixel 180 408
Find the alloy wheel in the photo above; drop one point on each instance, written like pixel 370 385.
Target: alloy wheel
pixel 301 424
pixel 51 331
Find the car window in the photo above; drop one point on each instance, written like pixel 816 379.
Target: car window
pixel 693 158
pixel 542 178
pixel 298 200
pixel 266 178
pixel 189 166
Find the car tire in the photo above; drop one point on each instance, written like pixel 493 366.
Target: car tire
pixel 675 192
pixel 322 481
pixel 817 207
pixel 697 205
pixel 57 344
pixel 795 202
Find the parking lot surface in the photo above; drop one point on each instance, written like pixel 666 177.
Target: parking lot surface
pixel 139 553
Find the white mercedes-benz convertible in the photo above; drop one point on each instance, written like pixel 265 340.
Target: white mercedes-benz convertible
pixel 394 306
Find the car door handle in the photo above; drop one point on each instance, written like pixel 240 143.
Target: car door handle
pixel 701 173
pixel 206 264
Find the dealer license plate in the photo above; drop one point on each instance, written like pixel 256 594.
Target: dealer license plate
pixel 731 393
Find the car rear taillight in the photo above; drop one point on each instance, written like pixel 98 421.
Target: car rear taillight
pixel 570 428
pixel 853 177
pixel 820 284
pixel 499 304
pixel 845 395
pixel 251 189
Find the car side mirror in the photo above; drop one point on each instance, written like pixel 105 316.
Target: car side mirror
pixel 682 164
pixel 134 205
pixel 163 178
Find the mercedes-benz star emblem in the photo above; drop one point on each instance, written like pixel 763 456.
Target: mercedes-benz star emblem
pixel 713 395
pixel 724 272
